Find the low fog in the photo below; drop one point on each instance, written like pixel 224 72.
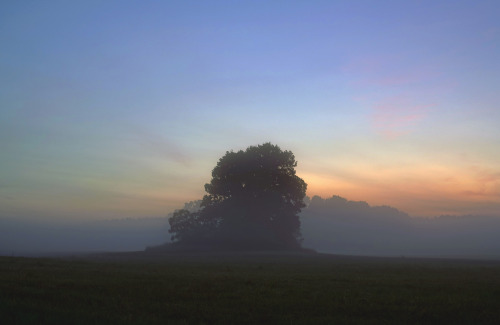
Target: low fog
pixel 36 238
pixel 334 225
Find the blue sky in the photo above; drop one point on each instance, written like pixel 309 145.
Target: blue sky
pixel 122 108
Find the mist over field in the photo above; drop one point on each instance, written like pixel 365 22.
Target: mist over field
pixel 334 225
pixel 32 238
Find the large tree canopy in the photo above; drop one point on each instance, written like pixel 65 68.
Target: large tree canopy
pixel 253 200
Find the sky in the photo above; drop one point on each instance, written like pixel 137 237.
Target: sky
pixel 119 109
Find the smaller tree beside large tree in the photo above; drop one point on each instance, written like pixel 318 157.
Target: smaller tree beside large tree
pixel 252 201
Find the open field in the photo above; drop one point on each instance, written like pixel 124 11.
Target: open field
pixel 138 288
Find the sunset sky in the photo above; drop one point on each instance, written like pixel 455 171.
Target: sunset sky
pixel 116 109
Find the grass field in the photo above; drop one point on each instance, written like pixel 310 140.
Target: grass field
pixel 247 289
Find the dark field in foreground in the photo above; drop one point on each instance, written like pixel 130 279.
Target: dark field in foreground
pixel 247 289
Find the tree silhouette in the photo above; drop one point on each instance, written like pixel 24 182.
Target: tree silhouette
pixel 252 201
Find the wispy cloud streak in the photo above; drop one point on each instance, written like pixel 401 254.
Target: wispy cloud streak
pixel 158 145
pixel 396 116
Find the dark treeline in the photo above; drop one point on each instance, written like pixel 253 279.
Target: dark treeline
pixel 337 225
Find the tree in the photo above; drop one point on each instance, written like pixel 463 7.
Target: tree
pixel 253 200
pixel 182 224
pixel 190 226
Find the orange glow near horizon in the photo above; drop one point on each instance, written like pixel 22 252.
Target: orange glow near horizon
pixel 424 190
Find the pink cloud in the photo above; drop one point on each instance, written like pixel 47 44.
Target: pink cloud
pixel 396 116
